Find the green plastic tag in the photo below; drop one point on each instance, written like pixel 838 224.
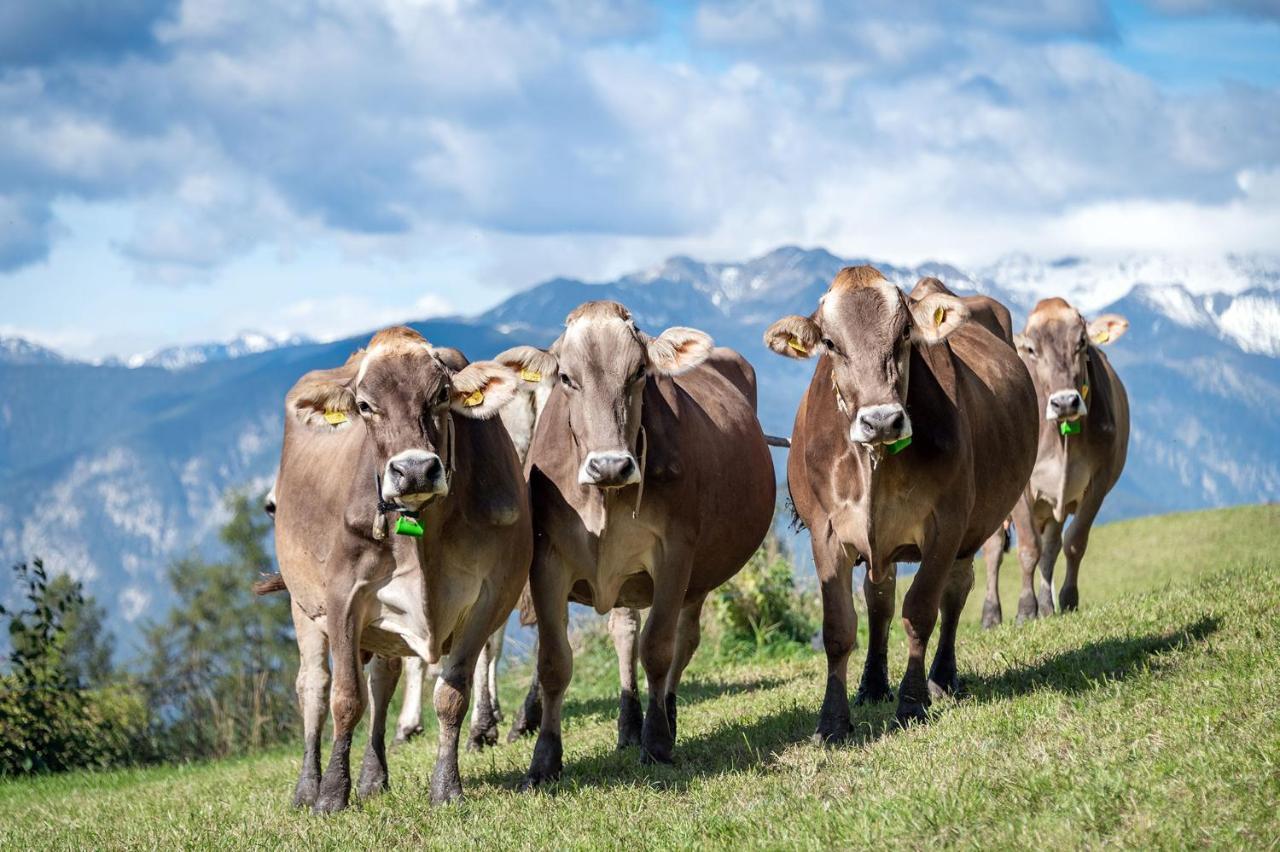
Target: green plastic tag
pixel 899 445
pixel 1069 427
pixel 408 526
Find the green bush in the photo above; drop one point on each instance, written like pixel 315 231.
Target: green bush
pixel 761 610
pixel 48 722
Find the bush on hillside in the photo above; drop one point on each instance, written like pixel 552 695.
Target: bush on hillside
pixel 761 610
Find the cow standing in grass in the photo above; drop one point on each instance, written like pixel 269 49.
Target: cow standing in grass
pixel 408 432
pixel 913 442
pixel 1084 439
pixel 651 484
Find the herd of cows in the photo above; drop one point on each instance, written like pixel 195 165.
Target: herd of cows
pixel 420 498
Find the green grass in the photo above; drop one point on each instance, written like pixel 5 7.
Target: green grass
pixel 1151 718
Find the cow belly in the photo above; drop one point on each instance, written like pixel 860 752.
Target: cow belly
pixel 384 642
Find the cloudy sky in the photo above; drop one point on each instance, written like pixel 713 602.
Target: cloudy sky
pixel 177 170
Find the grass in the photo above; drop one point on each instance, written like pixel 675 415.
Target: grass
pixel 1148 719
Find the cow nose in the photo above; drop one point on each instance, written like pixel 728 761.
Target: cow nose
pixel 875 424
pixel 609 470
pixel 1064 405
pixel 412 472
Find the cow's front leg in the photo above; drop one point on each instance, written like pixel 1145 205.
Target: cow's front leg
pixel 550 588
pixel 839 635
pixel 1028 558
pixel 919 615
pixel 313 699
pixel 944 679
pixel 624 627
pixel 657 651
pixel 346 701
pixel 688 637
pixel 384 674
pixel 409 723
pixel 451 698
pixel 881 598
pixel 1075 542
pixel 1050 547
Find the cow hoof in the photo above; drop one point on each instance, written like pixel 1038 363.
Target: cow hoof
pixel 373 777
pixel 304 795
pixel 940 688
pixel 656 754
pixel 1068 600
pixel 869 694
pixel 547 763
pixel 630 720
pixel 1045 604
pixel 332 801
pixel 991 615
pixel 479 740
pixel 831 734
pixel 404 736
pixel 911 713
pixel 1027 609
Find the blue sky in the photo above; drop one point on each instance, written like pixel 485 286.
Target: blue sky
pixel 180 171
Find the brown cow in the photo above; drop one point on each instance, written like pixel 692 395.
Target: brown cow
pixel 403 435
pixel 651 484
pixel 912 443
pixel 1084 438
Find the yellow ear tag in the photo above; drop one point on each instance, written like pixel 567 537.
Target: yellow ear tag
pixel 474 399
pixel 1102 336
pixel 797 345
pixel 1084 391
pixel 335 418
pixel 939 314
pixel 532 376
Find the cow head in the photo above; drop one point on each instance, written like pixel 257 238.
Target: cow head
pixel 1055 347
pixel 601 362
pixel 868 328
pixel 405 393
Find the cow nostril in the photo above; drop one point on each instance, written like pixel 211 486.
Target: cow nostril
pixel 896 422
pixel 431 469
pixel 396 469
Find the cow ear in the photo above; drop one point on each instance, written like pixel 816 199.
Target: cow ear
pixel 481 389
pixel 1107 328
pixel 534 366
pixel 678 349
pixel 935 316
pixel 794 337
pixel 1022 343
pixel 322 403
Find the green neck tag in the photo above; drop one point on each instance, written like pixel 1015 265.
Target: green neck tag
pixel 899 445
pixel 1069 427
pixel 408 526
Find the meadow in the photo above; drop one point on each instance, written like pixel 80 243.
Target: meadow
pixel 1149 719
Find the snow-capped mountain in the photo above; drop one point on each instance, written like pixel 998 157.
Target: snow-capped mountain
pixel 110 472
pixel 245 343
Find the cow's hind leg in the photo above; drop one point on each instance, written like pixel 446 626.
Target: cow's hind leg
pixel 453 689
pixel 313 700
pixel 409 723
pixel 943 677
pixel 1050 547
pixel 839 635
pixel 881 598
pixel 919 616
pixel 993 552
pixel 657 653
pixel 484 724
pixel 1028 558
pixel 1076 541
pixel 688 637
pixel 624 627
pixel 384 673
pixel 528 718
pixel 346 699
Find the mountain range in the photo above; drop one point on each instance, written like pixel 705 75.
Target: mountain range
pixel 111 470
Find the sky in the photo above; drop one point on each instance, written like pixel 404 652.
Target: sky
pixel 179 170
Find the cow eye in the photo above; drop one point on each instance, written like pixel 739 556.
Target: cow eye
pixel 364 407
pixel 830 346
pixel 566 381
pixel 443 395
pixel 637 375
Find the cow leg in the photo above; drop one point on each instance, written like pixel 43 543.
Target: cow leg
pixel 943 677
pixel 688 637
pixel 529 717
pixel 881 599
pixel 1050 547
pixel 384 674
pixel 624 626
pixel 496 642
pixel 313 700
pixel 839 635
pixel 992 553
pixel 484 727
pixel 1028 558
pixel 657 653
pixel 919 615
pixel 346 701
pixel 555 666
pixel 1075 543
pixel 409 723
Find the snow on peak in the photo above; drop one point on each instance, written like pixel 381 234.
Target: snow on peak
pixel 245 343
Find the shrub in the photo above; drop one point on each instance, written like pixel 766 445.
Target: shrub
pixel 761 610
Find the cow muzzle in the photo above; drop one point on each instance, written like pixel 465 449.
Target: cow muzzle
pixel 1065 405
pixel 413 477
pixel 880 424
pixel 609 470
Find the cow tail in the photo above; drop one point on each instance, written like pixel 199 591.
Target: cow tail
pixel 269 583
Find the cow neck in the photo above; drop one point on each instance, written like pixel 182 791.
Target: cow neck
pixel 1064 448
pixel 600 502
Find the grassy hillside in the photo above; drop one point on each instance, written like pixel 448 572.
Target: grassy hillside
pixel 1148 719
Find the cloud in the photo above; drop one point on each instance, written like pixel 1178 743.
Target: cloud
pixel 556 134
pixel 49 30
